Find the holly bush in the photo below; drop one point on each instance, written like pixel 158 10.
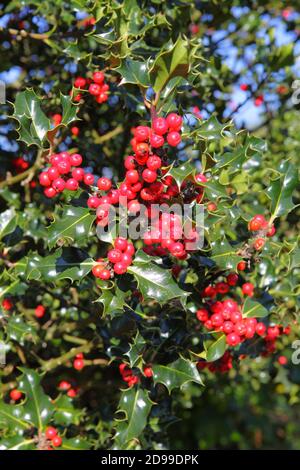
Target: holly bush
pixel 175 339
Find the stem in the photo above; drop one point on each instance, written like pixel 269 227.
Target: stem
pixel 28 174
pixel 99 139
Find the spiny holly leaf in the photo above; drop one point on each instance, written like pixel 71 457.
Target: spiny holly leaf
pixel 136 349
pixel 76 443
pixel 180 173
pixel 155 282
pixel 254 309
pixel 216 349
pixel 38 406
pixel 136 405
pixel 17 443
pixel 72 223
pixel 8 222
pixel 224 255
pixel 34 124
pixel 214 190
pixel 13 417
pixel 17 330
pixel 65 412
pixel 170 63
pixel 210 129
pixel 64 263
pixel 176 374
pixel 281 190
pixel 113 300
pixel 133 71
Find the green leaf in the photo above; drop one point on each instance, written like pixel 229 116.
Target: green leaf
pixel 136 349
pixel 155 282
pixel 216 349
pixel 13 417
pixel 224 255
pixel 17 443
pixel 281 190
pixel 72 224
pixel 8 222
pixel 253 309
pixel 170 63
pixel 136 405
pixel 133 71
pixel 64 263
pixel 38 406
pixel 180 173
pixel 17 330
pixel 113 300
pixel 65 412
pixel 176 374
pixel 76 443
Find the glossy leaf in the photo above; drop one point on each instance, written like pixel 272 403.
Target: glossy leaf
pixel 281 190
pixel 252 308
pixel 176 374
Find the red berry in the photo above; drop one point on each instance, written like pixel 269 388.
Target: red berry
pixel 228 327
pixel 40 311
pixel 15 394
pixel 50 432
pixel 44 179
pixel 120 268
pixel 240 328
pixel 102 97
pixel 7 304
pixel 94 89
pixel 93 202
pixel 248 289
pixel 236 317
pixel 78 174
pixel 259 243
pixel 174 122
pixel 63 167
pixel 142 133
pixel 104 184
pixel 173 138
pixel 160 126
pixel 148 372
pixel 259 101
pixel 271 231
pixel 212 207
pixel 57 441
pixel 282 360
pixel 232 339
pixel 105 275
pixel 75 130
pixel 200 178
pixel 154 163
pixel 64 385
pixel 88 179
pixel 98 77
pixel 59 185
pixel 129 163
pixel 72 393
pixel 244 86
pixel 134 206
pixel 232 279
pixel 222 287
pixel 79 82
pixel 260 329
pixel 132 176
pixel 156 141
pixel 217 320
pixel 114 255
pixel 241 266
pixel 50 192
pixel 72 184
pixel 202 314
pixel 75 159
pixel 149 176
pixel 121 243
pixel 53 173
pixel 78 364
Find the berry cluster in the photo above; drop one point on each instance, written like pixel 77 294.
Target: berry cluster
pixel 130 377
pixel 20 164
pixel 78 363
pixel 260 225
pixel 119 258
pixel 65 386
pixel 63 173
pixel 52 436
pixel 97 87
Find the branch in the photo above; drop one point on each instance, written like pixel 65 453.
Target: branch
pixel 28 174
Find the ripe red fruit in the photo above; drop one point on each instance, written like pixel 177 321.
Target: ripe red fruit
pixel 142 133
pixel 202 314
pixel 282 360
pixel 222 287
pixel 53 173
pixel 50 192
pixel 120 268
pixel 173 138
pixel 50 432
pixel 142 153
pixel 88 179
pixel 217 320
pixel 129 163
pixel 248 288
pixel 59 185
pixel 64 167
pixel 244 87
pixel 241 266
pixel 15 394
pixel 121 243
pixel 93 202
pixel 134 206
pixel 259 243
pixel 149 176
pixel 56 118
pixel 57 441
pixel 154 163
pixel 232 339
pixel 260 329
pixel 148 372
pixel 75 159
pixel 114 255
pixel 78 174
pixel 75 131
pixel 104 184
pixel 211 207
pixel 64 385
pixel 44 179
pixel 94 89
pixel 259 101
pixel 79 82
pixel 78 364
pixel 72 184
pixel 174 122
pixel 236 317
pixel 271 231
pixel 72 393
pixel 40 311
pixel 232 279
pixel 105 275
pixel 98 77
pixel 160 126
pixel 102 97
pixel 228 327
pixel 200 178
pixel 156 141
pixel 126 259
pixel 132 176
pixel 240 328
pixel 7 304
